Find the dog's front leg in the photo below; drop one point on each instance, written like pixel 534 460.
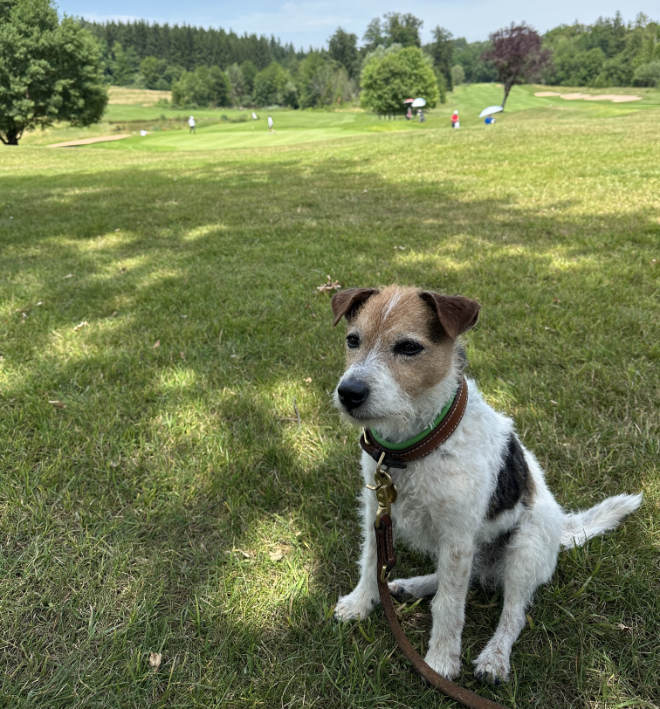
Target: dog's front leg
pixel 361 600
pixel 448 606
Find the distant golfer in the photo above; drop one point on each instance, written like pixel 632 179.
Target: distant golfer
pixel 270 123
pixel 191 124
pixel 455 123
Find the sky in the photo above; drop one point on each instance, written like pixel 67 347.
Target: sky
pixel 310 23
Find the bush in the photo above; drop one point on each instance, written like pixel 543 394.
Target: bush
pixel 392 75
pixel 206 86
pixel 457 74
pixel 273 86
pixel 323 82
pixel 615 72
pixel 647 74
pixel 224 118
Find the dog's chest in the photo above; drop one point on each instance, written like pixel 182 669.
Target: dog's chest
pixel 418 514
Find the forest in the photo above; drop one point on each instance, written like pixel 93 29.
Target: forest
pixel 208 66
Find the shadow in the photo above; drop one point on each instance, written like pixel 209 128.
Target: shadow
pixel 196 470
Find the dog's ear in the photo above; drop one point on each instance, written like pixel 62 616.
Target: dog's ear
pixel 348 302
pixel 455 312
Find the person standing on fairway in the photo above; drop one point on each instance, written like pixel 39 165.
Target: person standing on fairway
pixel 191 124
pixel 270 123
pixel 454 119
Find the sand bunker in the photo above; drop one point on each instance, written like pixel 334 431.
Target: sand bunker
pixel 615 98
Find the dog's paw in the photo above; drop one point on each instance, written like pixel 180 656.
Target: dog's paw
pixel 492 666
pixel 448 666
pixel 401 591
pixel 355 606
pixel 413 588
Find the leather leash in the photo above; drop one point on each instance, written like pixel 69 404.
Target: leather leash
pixel 386 561
pixel 386 557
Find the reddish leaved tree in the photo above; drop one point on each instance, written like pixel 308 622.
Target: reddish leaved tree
pixel 517 54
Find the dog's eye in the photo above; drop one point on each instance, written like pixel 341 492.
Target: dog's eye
pixel 410 348
pixel 352 341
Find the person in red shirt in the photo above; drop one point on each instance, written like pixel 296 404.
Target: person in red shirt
pixel 454 119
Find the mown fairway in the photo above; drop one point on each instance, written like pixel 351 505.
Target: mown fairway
pixel 174 478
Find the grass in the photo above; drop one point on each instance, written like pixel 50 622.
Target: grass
pixel 121 96
pixel 174 480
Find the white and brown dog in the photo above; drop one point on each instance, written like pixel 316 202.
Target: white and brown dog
pixel 478 505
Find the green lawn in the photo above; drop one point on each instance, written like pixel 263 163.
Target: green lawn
pixel 174 478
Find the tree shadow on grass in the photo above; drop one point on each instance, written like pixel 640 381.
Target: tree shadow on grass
pixel 193 513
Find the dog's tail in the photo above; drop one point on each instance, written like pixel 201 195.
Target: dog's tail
pixel 580 526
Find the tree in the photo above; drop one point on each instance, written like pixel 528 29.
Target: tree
pixel 442 50
pixel 614 72
pixel 322 81
pixel 237 86
pixel 394 28
pixel 249 70
pixel 189 90
pixel 49 71
pixel 123 64
pixel 518 55
pixel 607 53
pixel 172 73
pixel 373 36
pixel 403 29
pixel 647 74
pixel 342 47
pixel 392 75
pixel 274 86
pixel 218 87
pixel 457 74
pixel 206 86
pixel 608 35
pixel 152 70
pixel 316 80
pixel 470 57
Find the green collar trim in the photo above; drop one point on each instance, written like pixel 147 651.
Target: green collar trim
pixel 417 438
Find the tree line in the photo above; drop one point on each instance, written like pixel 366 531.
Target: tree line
pixel 215 67
pixel 260 70
pixel 607 53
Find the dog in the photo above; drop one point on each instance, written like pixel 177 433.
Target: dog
pixel 478 504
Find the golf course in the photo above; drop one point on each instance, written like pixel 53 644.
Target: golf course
pixel 178 505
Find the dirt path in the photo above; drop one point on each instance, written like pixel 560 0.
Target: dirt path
pixel 89 141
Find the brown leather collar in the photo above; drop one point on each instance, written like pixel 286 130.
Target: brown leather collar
pixel 397 458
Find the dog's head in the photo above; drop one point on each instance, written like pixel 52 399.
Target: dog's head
pixel 401 354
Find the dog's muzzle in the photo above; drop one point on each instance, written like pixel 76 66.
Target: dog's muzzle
pixel 352 393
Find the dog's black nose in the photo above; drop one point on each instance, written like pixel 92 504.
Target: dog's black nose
pixel 352 393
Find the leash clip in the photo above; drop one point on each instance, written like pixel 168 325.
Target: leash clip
pixel 384 489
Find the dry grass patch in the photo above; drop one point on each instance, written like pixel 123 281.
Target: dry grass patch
pixel 139 97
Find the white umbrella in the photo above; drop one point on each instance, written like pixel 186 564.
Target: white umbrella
pixel 419 102
pixel 490 110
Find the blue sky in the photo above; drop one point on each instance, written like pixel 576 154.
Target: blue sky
pixel 308 23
